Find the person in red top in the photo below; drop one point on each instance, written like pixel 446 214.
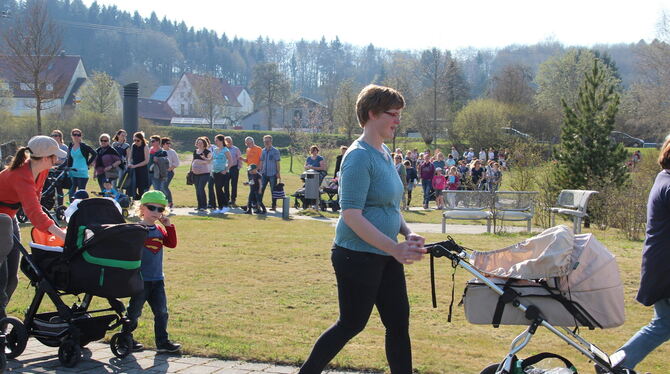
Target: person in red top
pixel 21 187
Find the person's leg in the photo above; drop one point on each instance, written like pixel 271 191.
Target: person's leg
pixel 358 278
pixel 393 306
pixel 226 189
pixel 264 182
pixel 136 303
pixel 649 337
pixel 211 194
pixel 13 260
pixel 158 302
pixel 200 184
pixel 425 183
pixel 218 189
pixel 168 192
pixel 101 179
pixel 234 177
pixel 273 183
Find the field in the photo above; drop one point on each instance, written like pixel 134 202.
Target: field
pixel 263 289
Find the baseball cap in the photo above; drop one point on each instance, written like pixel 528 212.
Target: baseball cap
pixel 252 167
pixel 154 197
pixel 45 146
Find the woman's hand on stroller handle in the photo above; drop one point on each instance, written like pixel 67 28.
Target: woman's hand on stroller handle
pixel 440 249
pixel 409 251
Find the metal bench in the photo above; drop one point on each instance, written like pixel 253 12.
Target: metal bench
pixel 467 205
pixel 572 203
pixel 515 206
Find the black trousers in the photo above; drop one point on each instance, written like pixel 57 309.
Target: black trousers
pixel 234 173
pixel 221 189
pixel 365 280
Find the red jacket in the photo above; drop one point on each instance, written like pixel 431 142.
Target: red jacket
pixel 18 186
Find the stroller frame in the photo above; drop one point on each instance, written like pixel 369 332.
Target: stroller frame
pixel 66 328
pixel 51 193
pixel 458 257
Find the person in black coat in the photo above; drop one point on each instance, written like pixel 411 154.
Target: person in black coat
pixel 654 281
pixel 338 160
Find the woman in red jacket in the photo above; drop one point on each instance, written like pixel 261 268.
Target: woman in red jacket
pixel 21 187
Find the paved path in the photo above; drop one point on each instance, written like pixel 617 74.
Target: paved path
pixel 416 227
pixel 98 359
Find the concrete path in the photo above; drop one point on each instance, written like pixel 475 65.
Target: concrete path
pixel 98 359
pixel 416 227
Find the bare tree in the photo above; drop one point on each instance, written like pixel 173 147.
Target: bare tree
pixel 34 40
pixel 271 88
pixel 209 99
pixel 101 94
pixel 512 85
pixel 344 112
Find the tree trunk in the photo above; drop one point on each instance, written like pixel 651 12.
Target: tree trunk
pixel 38 116
pixel 290 167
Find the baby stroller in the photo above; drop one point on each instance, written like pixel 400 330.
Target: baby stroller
pixel 48 199
pixel 329 187
pixel 101 256
pixel 555 280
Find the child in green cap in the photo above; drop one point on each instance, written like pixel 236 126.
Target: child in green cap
pixel 153 208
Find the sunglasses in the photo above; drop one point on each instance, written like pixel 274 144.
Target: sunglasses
pixel 154 208
pixel 104 140
pixel 76 134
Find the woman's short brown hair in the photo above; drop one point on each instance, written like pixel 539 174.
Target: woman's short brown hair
pixel 377 99
pixel 664 156
pixel 312 148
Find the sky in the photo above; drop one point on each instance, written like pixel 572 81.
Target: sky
pixel 418 24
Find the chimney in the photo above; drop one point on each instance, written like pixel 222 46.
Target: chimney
pixel 130 117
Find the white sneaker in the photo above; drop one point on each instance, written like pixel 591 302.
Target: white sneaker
pixel 216 211
pixel 224 210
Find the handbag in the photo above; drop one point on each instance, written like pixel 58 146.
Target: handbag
pixel 190 178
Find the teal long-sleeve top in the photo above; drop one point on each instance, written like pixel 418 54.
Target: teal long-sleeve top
pixel 369 181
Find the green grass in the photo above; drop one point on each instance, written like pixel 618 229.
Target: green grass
pixel 257 288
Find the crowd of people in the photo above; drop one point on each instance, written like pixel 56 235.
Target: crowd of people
pixel 436 173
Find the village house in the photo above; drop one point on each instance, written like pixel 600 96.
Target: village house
pixel 304 113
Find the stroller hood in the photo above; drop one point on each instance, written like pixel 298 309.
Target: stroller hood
pixel 551 253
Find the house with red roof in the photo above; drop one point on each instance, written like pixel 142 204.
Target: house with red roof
pixel 64 76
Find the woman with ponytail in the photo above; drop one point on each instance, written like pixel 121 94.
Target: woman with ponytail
pixel 21 187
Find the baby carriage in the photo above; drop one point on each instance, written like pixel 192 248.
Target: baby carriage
pixel 49 198
pixel 101 256
pixel 555 280
pixel 330 187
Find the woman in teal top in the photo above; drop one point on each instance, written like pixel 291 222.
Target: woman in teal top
pixel 366 255
pixel 221 160
pixel 80 155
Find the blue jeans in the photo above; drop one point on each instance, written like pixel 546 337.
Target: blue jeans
pixel 273 182
pixel 649 337
pixel 427 184
pixel 158 184
pixel 166 185
pixel 154 294
pixel 200 184
pixel 77 184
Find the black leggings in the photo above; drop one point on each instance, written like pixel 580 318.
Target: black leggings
pixel 363 281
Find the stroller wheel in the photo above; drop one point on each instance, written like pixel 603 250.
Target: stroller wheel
pixel 16 336
pixel 124 211
pixel 60 213
pixel 69 353
pixel 491 369
pixel 121 344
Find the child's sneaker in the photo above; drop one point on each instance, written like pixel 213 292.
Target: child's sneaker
pixel 168 347
pixel 137 346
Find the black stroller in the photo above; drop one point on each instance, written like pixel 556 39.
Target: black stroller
pixel 510 289
pixel 49 198
pixel 101 257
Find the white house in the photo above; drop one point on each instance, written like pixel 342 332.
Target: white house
pixel 183 98
pixel 65 76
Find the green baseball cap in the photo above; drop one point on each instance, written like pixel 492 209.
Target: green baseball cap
pixel 154 197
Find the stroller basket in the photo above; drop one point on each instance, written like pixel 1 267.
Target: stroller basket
pixel 50 329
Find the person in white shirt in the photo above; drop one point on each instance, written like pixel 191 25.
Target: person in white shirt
pixel 482 155
pixel 173 159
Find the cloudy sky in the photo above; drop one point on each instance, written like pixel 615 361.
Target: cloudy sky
pixel 418 24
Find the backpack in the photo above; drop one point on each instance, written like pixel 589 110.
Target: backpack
pixel 160 167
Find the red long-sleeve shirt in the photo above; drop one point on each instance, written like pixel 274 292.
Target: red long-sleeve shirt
pixel 18 186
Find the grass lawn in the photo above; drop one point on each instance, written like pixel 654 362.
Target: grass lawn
pixel 257 288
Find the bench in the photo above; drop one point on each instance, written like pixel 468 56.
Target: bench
pixel 515 206
pixel 572 203
pixel 467 205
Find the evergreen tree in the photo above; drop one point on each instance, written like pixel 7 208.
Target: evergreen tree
pixel 588 158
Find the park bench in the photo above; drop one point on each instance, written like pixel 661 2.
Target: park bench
pixel 467 205
pixel 515 206
pixel 572 203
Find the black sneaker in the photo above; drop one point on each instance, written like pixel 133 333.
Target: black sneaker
pixel 137 346
pixel 168 347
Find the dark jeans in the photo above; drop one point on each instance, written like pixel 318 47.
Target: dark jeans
pixel 365 280
pixel 427 185
pixel 77 184
pixel 154 294
pixel 234 173
pixel 273 182
pixel 167 191
pixel 210 190
pixel 200 183
pixel 158 184
pixel 221 189
pixel 255 198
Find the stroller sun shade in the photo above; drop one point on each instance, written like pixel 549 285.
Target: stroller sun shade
pixel 572 279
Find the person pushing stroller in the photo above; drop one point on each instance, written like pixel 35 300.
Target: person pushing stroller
pixel 152 209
